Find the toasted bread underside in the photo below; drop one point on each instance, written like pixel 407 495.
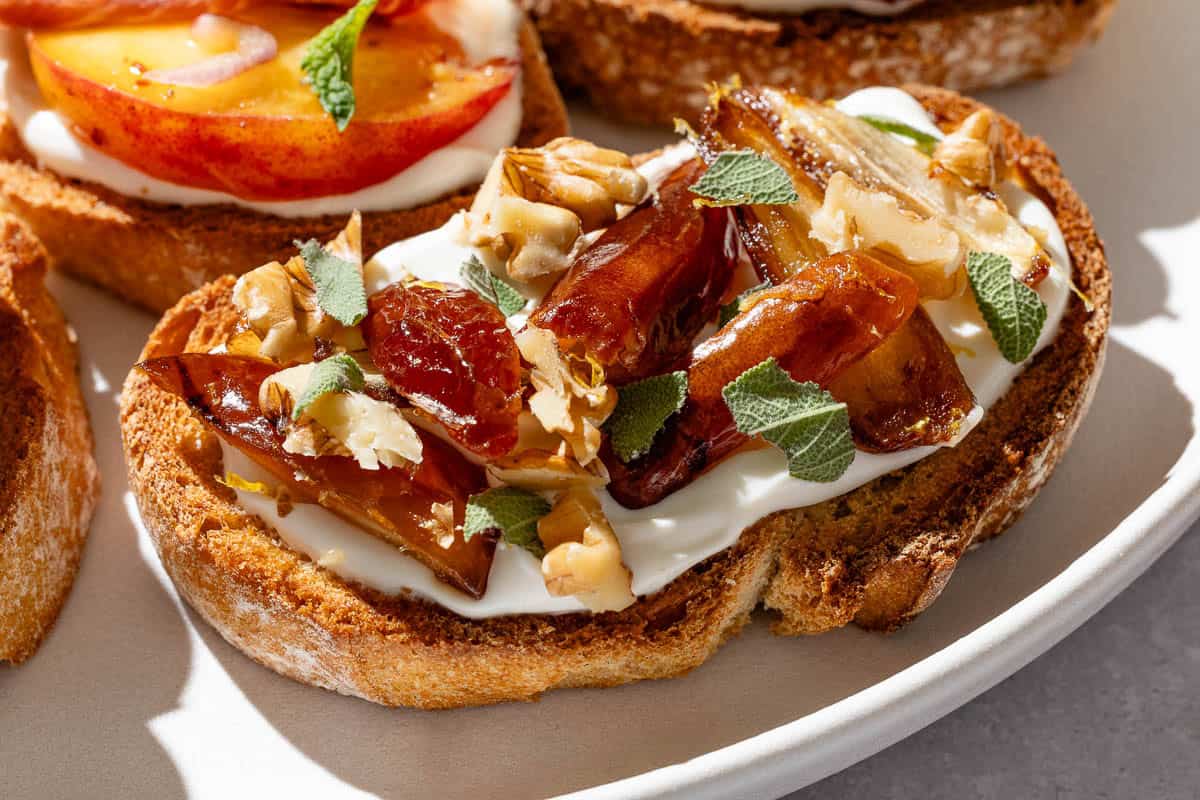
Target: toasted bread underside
pixel 49 483
pixel 152 254
pixel 652 60
pixel 876 556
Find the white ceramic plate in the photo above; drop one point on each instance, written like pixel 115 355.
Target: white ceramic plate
pixel 133 696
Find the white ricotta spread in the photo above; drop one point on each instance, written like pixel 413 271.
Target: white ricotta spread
pixel 486 29
pixel 873 7
pixel 661 542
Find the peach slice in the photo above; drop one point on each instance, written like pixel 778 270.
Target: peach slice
pixel 262 135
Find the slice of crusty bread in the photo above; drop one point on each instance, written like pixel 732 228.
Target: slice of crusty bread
pixel 49 483
pixel 651 60
pixel 152 254
pixel 876 556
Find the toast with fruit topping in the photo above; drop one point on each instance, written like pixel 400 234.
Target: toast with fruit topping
pixel 152 155
pixel 489 461
pixel 652 60
pixel 49 483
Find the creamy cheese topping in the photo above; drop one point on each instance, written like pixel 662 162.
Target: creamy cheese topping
pixel 662 541
pixel 486 29
pixel 874 7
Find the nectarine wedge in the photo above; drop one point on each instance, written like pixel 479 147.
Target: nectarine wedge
pixel 262 135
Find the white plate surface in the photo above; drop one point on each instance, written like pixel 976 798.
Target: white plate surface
pixel 134 696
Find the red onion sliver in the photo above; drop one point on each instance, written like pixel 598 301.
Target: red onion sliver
pixel 254 46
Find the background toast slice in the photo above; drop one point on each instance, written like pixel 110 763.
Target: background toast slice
pixel 287 613
pixel 49 483
pixel 152 254
pixel 651 60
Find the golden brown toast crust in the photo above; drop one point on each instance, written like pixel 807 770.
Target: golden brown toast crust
pixel 49 483
pixel 650 60
pixel 152 254
pixel 289 614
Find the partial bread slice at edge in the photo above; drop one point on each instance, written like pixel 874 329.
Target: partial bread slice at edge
pixel 652 60
pixel 152 254
pixel 302 621
pixel 49 483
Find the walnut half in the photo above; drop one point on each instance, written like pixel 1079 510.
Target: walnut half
pixel 536 203
pixel 583 557
pixel 975 151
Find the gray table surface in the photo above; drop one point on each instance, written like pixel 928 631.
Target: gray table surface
pixel 1111 712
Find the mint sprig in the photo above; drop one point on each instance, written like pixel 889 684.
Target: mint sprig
pixel 339 373
pixel 1014 313
pixel 512 512
pixel 484 283
pixel 329 62
pixel 339 283
pixel 743 178
pixel 921 140
pixel 801 419
pixel 642 409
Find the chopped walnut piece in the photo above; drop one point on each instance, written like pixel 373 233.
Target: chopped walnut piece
pixel 975 151
pixel 855 218
pixel 339 423
pixel 571 405
pixel 583 557
pixel 279 305
pixel 536 203
pixel 542 470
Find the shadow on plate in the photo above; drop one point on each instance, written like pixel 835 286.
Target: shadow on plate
pixel 73 719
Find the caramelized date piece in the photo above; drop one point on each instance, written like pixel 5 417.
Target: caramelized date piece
pixel 450 353
pixel 396 505
pixel 905 393
pixel 815 325
pixel 776 236
pixel 638 296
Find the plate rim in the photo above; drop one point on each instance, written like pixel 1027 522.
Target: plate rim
pixel 801 752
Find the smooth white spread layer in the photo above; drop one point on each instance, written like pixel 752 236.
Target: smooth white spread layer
pixel 661 542
pixel 486 29
pixel 874 7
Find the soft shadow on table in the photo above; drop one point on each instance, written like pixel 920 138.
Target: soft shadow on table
pixel 73 719
pixel 574 739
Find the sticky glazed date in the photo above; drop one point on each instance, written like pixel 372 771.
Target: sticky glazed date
pixel 449 353
pixel 636 299
pixel 816 324
pixel 398 505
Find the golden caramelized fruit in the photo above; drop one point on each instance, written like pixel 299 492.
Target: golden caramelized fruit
pixel 420 509
pixel 449 353
pixel 636 299
pixel 905 393
pixel 816 324
pixel 262 135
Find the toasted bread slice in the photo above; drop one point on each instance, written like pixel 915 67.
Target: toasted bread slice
pixel 49 483
pixel 652 60
pixel 152 254
pixel 876 556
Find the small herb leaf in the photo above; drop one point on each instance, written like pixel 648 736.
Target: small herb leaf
pixel 642 410
pixel 801 419
pixel 1014 313
pixel 339 283
pixel 732 309
pixel 744 177
pixel 513 512
pixel 480 280
pixel 329 62
pixel 922 140
pixel 339 373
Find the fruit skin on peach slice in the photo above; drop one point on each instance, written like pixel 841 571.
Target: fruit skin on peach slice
pixel 273 157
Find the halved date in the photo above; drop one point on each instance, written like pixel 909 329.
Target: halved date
pixel 815 324
pixel 407 508
pixel 636 299
pixel 449 353
pixel 907 392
